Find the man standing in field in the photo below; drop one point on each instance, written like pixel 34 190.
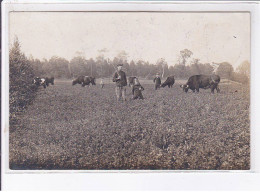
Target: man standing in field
pixel 121 83
pixel 157 81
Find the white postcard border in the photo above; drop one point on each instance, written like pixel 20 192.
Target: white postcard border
pixel 134 179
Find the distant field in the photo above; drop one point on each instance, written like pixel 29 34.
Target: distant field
pixel 71 127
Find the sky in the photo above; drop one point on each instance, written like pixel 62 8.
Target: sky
pixel 212 37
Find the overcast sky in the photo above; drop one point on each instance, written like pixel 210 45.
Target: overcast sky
pixel 212 37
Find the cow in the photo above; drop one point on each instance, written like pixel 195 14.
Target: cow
pixel 169 82
pixel 131 81
pixel 78 80
pixel 49 81
pixel 88 80
pixel 202 81
pixel 39 82
pixel 84 80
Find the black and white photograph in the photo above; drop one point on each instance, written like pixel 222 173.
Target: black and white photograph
pixel 129 91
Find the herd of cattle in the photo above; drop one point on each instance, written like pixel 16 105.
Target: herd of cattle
pixel 194 83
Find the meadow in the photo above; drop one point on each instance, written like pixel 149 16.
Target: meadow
pixel 71 127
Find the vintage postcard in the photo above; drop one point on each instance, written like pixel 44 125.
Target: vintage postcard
pixel 129 90
pixel 130 95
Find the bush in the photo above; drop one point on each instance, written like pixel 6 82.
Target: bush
pixel 238 77
pixel 21 91
pixel 225 70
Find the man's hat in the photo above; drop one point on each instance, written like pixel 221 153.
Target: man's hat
pixel 119 65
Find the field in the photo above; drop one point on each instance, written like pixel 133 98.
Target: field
pixel 70 127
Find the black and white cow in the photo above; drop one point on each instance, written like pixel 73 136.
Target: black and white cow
pixel 39 82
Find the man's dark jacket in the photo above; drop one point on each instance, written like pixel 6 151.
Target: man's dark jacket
pixel 122 81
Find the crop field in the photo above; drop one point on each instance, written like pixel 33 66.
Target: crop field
pixel 71 127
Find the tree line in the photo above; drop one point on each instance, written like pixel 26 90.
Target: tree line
pixel 102 67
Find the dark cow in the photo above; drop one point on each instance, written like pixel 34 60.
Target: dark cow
pixel 88 80
pixel 202 81
pixel 131 81
pixel 39 82
pixel 49 81
pixel 169 82
pixel 84 80
pixel 78 80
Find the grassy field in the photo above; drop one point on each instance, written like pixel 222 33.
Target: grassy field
pixel 70 127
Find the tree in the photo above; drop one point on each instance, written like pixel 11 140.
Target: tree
pixel 20 67
pixel 207 69
pixel 195 67
pixel 162 66
pixel 21 89
pixel 37 66
pixel 140 64
pixel 225 70
pixel 244 68
pixel 78 66
pixel 180 71
pixel 238 77
pixel 59 67
pixel 184 55
pixel 115 62
pixel 132 69
pixel 102 62
pixel 91 68
pixel 215 67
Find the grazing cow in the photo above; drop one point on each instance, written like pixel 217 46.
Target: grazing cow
pixel 39 82
pixel 84 80
pixel 169 82
pixel 202 81
pixel 137 89
pixel 88 80
pixel 49 81
pixel 131 81
pixel 78 80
